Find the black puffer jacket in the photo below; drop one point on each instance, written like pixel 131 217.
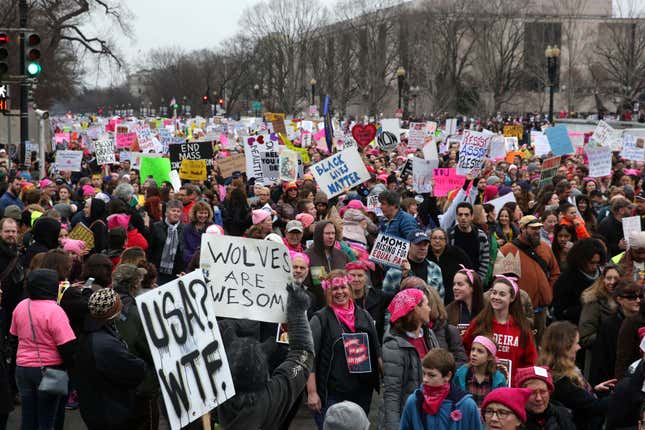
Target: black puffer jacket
pixel 556 417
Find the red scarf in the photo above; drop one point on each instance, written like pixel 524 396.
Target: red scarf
pixel 345 315
pixel 433 397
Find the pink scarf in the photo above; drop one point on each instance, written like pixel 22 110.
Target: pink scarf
pixel 433 397
pixel 345 315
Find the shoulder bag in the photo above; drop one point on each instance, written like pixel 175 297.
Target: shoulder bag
pixel 54 381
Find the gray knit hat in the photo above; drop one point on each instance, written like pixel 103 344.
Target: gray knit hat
pixel 104 304
pixel 346 416
pixel 125 276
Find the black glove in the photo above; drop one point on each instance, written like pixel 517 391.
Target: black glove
pixel 300 337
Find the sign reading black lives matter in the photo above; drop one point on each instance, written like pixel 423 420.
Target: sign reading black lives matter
pixel 389 250
pixel 247 278
pixel 186 346
pixel 345 169
pixel 191 151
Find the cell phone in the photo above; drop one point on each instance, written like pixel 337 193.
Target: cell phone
pixel 88 283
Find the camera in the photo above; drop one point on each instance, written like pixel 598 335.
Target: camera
pixel 42 114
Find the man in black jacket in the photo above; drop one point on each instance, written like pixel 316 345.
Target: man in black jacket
pixel 542 413
pixel 166 247
pixel 11 277
pixel 611 228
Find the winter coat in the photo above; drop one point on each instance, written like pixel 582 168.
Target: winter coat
pixel 235 219
pixel 628 348
pixel 603 352
pixel 96 223
pixel 585 406
pixel 450 340
pixel 135 238
pixel 498 380
pixel 107 377
pixel 376 302
pixel 612 230
pixel 449 262
pixel 286 211
pixel 567 292
pixel 74 302
pixel 393 278
pixel 402 373
pixel 556 417
pixel 482 259
pixel 595 310
pixel 158 236
pixel 413 417
pixel 626 400
pixel 12 291
pixel 400 226
pixel 45 237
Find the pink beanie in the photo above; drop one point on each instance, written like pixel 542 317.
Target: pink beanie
pixel 305 218
pixel 404 302
pixel 45 182
pixel 118 220
pixel 73 245
pixel 513 398
pixel 88 190
pixel 260 215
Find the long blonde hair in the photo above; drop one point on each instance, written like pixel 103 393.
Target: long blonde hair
pixel 557 340
pixel 597 290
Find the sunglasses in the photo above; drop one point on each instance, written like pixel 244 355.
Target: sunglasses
pixel 631 296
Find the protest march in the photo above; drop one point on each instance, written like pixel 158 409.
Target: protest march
pixel 235 274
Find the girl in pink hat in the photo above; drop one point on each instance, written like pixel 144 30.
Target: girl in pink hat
pixel 480 375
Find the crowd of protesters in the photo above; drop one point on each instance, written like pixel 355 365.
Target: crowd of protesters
pixel 451 341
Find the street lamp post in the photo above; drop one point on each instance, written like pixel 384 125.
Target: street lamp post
pixel 552 53
pixel 256 102
pixel 312 82
pixel 400 77
pixel 414 92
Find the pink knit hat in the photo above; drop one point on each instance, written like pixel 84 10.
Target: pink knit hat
pixel 260 215
pixel 45 182
pixel 404 302
pixel 88 190
pixel 541 373
pixel 305 218
pixel 513 398
pixel 73 245
pixel 118 220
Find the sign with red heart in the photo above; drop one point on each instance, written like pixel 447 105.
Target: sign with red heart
pixel 364 134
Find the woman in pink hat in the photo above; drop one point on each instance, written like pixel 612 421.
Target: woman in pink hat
pixel 347 356
pixel 505 408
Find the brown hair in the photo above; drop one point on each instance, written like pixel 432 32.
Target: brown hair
pixel 557 340
pixel 437 309
pixel 58 260
pixel 133 256
pixel 201 206
pixel 441 360
pixel 491 362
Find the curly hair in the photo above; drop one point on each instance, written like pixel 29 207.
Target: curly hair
pixel 557 341
pixel 583 251
pixel 201 206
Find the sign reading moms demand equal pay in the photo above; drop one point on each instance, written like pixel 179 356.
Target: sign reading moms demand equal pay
pixel 247 278
pixel 344 169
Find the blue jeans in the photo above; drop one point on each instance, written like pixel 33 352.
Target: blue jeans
pixel 362 399
pixel 40 411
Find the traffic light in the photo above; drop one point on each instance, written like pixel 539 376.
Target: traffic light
pixel 221 102
pixel 205 99
pixel 4 54
pixel 32 54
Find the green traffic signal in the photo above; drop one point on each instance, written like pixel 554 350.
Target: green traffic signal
pixel 33 69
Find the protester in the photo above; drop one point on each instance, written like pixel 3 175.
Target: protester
pixel 505 408
pixel 373 300
pixel 398 222
pixel 166 247
pixel 632 261
pixel 480 375
pixel 471 239
pixel 324 256
pixel 200 217
pixel 469 298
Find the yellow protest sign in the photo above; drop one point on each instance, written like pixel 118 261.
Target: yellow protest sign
pixel 193 170
pixel 514 131
pixel 277 119
pixel 82 232
pixel 304 155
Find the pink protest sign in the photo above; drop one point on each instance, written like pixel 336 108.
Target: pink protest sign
pixel 125 140
pixel 446 180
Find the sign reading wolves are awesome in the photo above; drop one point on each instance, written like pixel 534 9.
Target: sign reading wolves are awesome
pixel 191 151
pixel 247 278
pixel 186 346
pixel 345 169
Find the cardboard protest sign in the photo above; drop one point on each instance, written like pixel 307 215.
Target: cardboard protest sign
pixel 277 120
pixel 125 140
pixel 288 165
pixel 345 169
pixel 390 133
pixel 69 160
pixel 104 150
pixel 230 164
pixel 417 135
pixel 549 169
pixel 270 161
pixel 191 151
pixel 602 133
pixel 559 140
pixel 499 202
pixel 82 232
pixel 187 349
pixel 389 250
pixel 247 277
pixel 193 170
pixel 631 225
pixel 446 180
pixel 633 148
pixel 513 131
pixel 599 158
pixel 422 175
pixel 472 152
pixel 158 168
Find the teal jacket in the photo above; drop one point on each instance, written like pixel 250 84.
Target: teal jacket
pixel 499 380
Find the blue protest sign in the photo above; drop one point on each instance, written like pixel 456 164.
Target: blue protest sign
pixel 559 140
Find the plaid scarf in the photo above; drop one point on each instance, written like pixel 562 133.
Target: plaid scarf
pixel 169 248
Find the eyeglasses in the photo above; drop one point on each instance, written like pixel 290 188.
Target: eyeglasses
pixel 502 414
pixel 632 297
pixel 437 238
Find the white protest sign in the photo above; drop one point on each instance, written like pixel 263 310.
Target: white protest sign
pixel 633 148
pixel 599 160
pixel 431 127
pixel 390 134
pixel 186 347
pixel 247 277
pixel 175 180
pixel 288 165
pixel 541 143
pixel 472 152
pixel 270 166
pixel 422 175
pixel 499 202
pixel 417 135
pixel 345 169
pixel 498 146
pixel 389 250
pixel 602 132
pixel 104 150
pixel 67 160
pixel 144 137
pixel 631 225
pixel 451 126
pixel 430 153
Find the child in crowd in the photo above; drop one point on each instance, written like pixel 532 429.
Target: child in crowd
pixel 438 404
pixel 480 375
